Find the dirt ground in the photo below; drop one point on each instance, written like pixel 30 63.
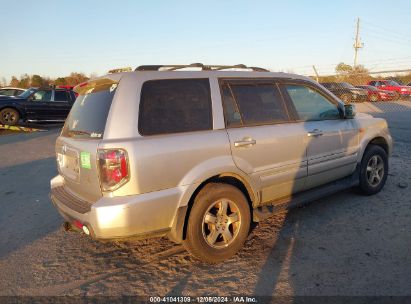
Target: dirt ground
pixel 344 244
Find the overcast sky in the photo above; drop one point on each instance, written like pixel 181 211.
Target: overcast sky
pixel 54 38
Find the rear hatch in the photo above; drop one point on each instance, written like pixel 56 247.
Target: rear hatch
pixel 76 147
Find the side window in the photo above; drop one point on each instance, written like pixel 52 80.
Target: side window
pixel 7 92
pixel 175 105
pixel 42 95
pixel 372 83
pixel 61 95
pixel 310 104
pixel 231 112
pixel 253 104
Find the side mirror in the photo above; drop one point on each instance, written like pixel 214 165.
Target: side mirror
pixel 349 111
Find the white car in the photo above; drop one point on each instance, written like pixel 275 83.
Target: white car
pixel 10 91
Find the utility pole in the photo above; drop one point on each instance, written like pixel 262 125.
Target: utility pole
pixel 357 44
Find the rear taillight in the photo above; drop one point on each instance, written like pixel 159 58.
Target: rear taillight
pixel 114 169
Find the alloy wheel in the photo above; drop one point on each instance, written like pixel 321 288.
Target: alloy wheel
pixel 221 223
pixel 375 170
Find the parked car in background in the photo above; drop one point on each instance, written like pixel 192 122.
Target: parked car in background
pixel 199 155
pixel 400 91
pixel 36 104
pixel 375 94
pixel 346 91
pixel 10 91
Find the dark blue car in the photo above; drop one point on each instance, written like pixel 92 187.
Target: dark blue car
pixel 36 104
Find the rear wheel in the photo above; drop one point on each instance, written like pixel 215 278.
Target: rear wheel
pixel 374 170
pixel 9 116
pixel 218 223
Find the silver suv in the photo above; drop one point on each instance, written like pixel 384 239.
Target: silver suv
pixel 198 155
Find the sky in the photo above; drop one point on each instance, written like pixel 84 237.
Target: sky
pixel 55 38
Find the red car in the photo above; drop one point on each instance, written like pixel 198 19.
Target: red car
pixel 68 87
pixel 375 94
pixel 390 85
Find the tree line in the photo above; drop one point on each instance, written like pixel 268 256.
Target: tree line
pixel 359 75
pixel 26 81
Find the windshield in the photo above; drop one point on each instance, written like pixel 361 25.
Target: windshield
pixel 346 85
pixel 392 83
pixel 87 118
pixel 27 93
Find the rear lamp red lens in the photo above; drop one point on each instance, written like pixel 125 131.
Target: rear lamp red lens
pixel 114 169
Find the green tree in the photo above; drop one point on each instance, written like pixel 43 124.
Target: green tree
pixel 14 82
pixel 60 81
pixel 24 81
pixel 356 76
pixel 36 81
pixel 343 69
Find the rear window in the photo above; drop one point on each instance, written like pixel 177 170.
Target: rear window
pixel 174 106
pixel 61 95
pixel 87 118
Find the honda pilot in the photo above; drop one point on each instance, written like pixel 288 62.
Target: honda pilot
pixel 199 155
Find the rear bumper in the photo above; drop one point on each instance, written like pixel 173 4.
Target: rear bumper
pixel 141 216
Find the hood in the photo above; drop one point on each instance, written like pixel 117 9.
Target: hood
pixel 363 115
pixel 360 91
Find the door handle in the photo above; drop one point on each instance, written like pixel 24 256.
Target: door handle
pixel 245 142
pixel 315 133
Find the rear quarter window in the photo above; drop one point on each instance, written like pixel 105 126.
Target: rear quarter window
pixel 87 118
pixel 175 106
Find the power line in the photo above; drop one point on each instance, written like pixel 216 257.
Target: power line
pixel 387 30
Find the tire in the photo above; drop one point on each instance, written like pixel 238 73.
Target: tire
pixel 374 98
pixel 9 116
pixel 373 170
pixel 346 98
pixel 209 227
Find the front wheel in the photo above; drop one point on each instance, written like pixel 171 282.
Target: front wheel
pixel 374 170
pixel 218 223
pixel 9 116
pixel 374 98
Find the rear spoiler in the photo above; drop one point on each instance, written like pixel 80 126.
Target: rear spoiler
pixel 95 85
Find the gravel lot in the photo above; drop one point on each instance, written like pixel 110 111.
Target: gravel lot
pixel 345 244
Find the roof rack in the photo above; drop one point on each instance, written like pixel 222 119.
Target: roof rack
pixel 173 67
pixel 120 70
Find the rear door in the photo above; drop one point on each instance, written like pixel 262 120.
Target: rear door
pixel 61 104
pixel 83 130
pixel 265 142
pixel 332 140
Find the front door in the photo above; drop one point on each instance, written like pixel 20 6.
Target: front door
pixel 265 143
pixel 333 141
pixel 38 105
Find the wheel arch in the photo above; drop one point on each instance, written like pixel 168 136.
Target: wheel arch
pixel 380 141
pixel 178 229
pixel 21 114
